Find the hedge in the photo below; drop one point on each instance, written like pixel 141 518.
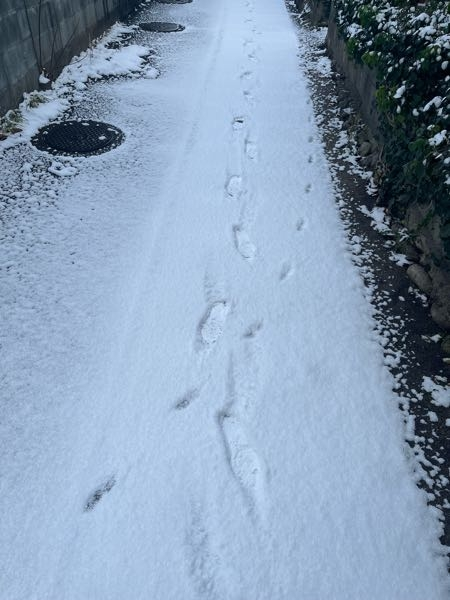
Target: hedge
pixel 408 46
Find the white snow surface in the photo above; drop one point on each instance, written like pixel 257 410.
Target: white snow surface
pixel 194 404
pixel 440 394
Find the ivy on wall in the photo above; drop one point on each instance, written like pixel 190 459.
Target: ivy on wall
pixel 407 44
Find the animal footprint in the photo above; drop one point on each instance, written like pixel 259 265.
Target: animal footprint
pixel 244 461
pixel 300 225
pixel 187 399
pixel 212 324
pixel 234 186
pixel 308 188
pixel 96 496
pixel 287 270
pixel 243 244
pixel 253 329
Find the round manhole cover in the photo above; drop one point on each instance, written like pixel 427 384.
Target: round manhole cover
pixel 78 138
pixel 161 27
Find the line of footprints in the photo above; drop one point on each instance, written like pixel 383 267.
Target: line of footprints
pixel 245 465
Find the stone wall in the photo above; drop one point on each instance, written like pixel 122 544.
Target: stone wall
pixel 45 34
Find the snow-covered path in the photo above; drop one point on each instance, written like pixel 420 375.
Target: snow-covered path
pixel 194 405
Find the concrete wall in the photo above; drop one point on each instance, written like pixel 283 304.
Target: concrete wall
pixel 360 80
pixel 319 10
pixel 47 33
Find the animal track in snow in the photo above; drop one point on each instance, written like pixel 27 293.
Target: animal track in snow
pixel 243 243
pixel 253 329
pixel 213 322
pixel 310 158
pixel 234 186
pixel 287 270
pixel 246 75
pixel 300 225
pixel 244 461
pixel 96 496
pixel 308 188
pixel 251 150
pixel 187 399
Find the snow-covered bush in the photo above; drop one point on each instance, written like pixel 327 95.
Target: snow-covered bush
pixel 408 46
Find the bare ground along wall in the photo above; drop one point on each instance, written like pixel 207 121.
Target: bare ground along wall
pixel 37 34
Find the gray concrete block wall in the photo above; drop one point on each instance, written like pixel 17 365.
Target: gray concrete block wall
pixel 47 33
pixel 360 79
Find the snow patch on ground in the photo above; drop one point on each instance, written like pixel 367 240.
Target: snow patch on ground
pixel 440 394
pixel 380 220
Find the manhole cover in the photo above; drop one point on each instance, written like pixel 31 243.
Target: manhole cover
pixel 161 27
pixel 78 138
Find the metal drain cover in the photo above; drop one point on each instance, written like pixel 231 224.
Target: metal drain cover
pixel 161 27
pixel 78 138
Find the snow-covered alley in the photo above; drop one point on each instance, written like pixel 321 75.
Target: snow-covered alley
pixel 194 404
